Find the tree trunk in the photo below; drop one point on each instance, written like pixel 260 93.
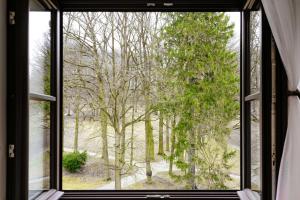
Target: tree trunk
pixel 104 124
pixel 69 109
pixel 148 136
pixel 125 69
pixel 167 134
pixel 103 121
pixel 118 157
pixel 191 153
pixel 161 136
pixel 148 150
pixel 123 136
pixel 191 161
pixel 132 119
pixel 151 141
pixel 148 128
pixel 116 123
pixel 76 128
pixel 132 135
pixel 173 138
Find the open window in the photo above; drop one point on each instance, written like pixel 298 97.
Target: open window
pixel 139 99
pixel 33 99
pixel 143 108
pixel 252 99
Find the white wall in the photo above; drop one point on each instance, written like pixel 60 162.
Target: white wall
pixel 2 98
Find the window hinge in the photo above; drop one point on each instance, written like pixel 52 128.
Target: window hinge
pixel 11 151
pixel 273 154
pixel 274 159
pixel 12 15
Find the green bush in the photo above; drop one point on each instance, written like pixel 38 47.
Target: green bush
pixel 72 162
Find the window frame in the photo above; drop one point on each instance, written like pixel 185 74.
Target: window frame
pixel 53 97
pixel 18 96
pixel 264 96
pixel 281 108
pixel 17 99
pixel 76 6
pixel 154 5
pixel 140 6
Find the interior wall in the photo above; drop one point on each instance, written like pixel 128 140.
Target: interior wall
pixel 2 98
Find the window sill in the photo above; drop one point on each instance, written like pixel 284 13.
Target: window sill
pixel 211 195
pixel 50 195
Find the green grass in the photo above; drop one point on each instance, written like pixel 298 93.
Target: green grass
pixel 82 183
pixel 89 139
pixel 161 181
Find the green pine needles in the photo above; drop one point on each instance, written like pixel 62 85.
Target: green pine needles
pixel 201 94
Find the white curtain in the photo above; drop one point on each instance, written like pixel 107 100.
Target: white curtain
pixel 284 19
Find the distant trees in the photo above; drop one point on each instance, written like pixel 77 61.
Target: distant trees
pixel 176 68
pixel 112 74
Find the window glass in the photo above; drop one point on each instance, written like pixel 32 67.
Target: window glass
pixel 39 52
pixel 39 147
pixel 255 146
pixel 255 50
pixel 39 111
pixel 151 101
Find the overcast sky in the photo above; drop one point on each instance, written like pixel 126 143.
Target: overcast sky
pixel 235 18
pixel 39 25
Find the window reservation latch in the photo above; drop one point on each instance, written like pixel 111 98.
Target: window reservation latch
pixel 168 4
pixel 11 151
pixel 157 196
pixel 12 15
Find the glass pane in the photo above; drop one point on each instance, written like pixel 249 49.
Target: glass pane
pixel 255 146
pixel 39 147
pixel 151 101
pixel 39 51
pixel 255 50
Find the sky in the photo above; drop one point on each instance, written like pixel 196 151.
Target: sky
pixel 39 25
pixel 235 18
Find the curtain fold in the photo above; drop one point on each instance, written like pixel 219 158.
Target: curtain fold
pixel 284 20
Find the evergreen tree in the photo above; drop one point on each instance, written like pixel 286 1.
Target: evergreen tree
pixel 203 78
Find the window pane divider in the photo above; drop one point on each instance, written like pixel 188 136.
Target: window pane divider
pixel 41 97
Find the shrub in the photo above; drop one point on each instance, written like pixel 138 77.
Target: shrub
pixel 72 162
